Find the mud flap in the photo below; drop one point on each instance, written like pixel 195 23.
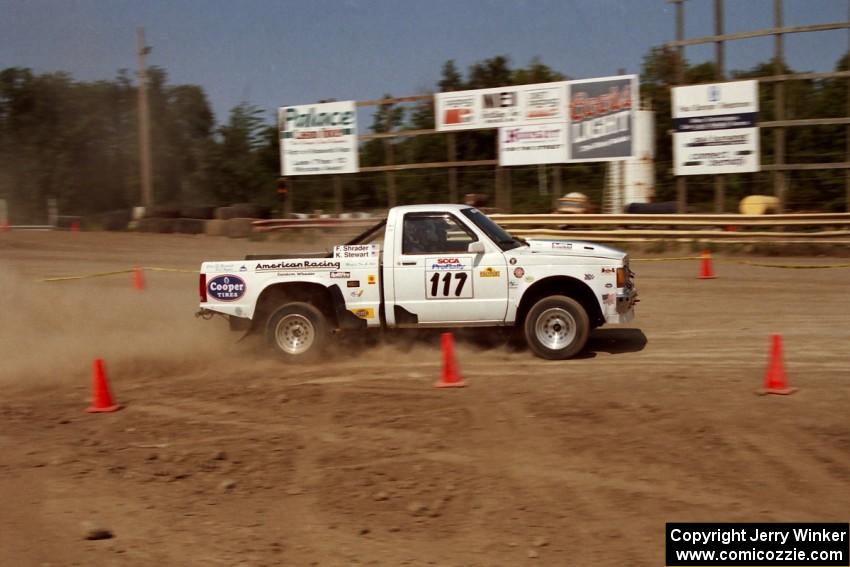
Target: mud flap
pixel 240 324
pixel 345 318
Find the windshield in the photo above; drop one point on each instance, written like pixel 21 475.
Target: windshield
pixel 496 233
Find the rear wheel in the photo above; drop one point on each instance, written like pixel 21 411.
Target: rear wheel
pixel 556 327
pixel 297 331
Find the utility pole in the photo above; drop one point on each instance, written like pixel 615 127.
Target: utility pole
pixel 719 60
pixel 681 185
pixel 144 121
pixel 847 137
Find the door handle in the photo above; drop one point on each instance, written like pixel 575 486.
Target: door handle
pixel 408 263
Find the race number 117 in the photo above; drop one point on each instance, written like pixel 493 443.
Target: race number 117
pixel 447 284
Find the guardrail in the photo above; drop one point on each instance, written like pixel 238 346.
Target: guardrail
pixel 801 228
pixel 744 237
pixel 804 228
pixel 715 220
pixel 272 225
pixel 32 227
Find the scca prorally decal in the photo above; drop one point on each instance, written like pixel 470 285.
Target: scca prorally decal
pixel 447 264
pixel 298 265
pixel 226 288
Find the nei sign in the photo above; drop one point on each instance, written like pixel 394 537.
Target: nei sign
pixel 501 106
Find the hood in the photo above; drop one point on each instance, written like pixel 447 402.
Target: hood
pixel 575 248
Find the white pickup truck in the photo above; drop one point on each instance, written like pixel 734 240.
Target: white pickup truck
pixel 426 266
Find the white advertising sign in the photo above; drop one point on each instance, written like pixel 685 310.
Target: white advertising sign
pixel 716 128
pixel 502 106
pixel 536 144
pixel 318 139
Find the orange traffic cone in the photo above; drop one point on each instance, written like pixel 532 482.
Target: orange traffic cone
pixel 775 380
pixel 706 273
pixel 138 279
pixel 75 226
pixel 101 398
pixel 451 378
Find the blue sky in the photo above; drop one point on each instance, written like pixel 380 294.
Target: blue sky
pixel 277 52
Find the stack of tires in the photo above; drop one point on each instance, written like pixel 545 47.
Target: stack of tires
pixel 235 221
pixel 182 220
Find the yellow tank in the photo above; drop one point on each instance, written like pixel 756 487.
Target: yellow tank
pixel 759 205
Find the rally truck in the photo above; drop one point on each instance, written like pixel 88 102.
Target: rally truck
pixel 425 266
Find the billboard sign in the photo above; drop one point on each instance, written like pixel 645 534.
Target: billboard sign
pixel 318 139
pixel 502 106
pixel 601 118
pixel 716 128
pixel 535 144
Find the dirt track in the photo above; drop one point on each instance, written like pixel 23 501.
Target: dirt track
pixel 223 456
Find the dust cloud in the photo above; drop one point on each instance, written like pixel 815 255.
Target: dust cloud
pixel 50 332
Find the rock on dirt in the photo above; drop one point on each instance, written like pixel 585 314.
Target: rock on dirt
pixel 95 531
pixel 417 508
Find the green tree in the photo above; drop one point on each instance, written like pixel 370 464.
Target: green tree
pixel 234 169
pixel 450 78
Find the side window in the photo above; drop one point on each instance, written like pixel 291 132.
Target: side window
pixel 431 233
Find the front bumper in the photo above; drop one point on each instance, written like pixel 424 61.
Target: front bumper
pixel 626 300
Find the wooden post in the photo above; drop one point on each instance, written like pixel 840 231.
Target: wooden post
pixel 847 136
pixel 290 197
pixel 621 189
pixel 498 200
pixel 144 122
pixel 719 180
pixel 557 186
pixel 780 178
pixel 681 184
pixel 337 194
pixel 452 147
pixel 542 180
pixel 390 176
pixel 507 190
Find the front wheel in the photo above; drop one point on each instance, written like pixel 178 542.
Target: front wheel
pixel 556 327
pixel 297 331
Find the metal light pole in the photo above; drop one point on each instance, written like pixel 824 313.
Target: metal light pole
pixel 719 59
pixel 681 185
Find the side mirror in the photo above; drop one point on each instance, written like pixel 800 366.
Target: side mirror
pixel 476 247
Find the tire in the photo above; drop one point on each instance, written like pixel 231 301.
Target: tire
pixel 158 212
pixel 297 331
pixel 197 212
pixel 250 211
pixel 556 327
